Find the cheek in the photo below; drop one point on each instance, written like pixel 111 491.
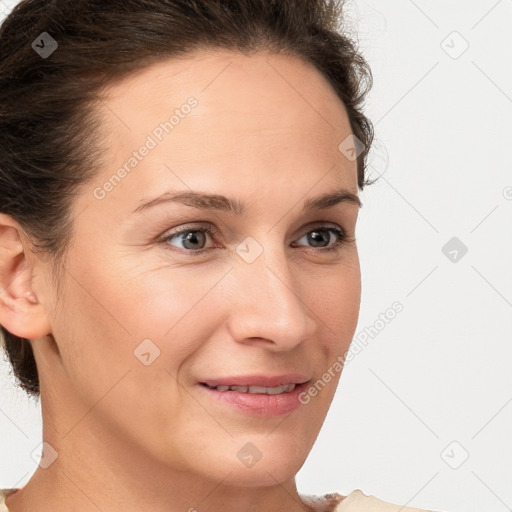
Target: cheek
pixel 167 303
pixel 94 338
pixel 103 328
pixel 166 312
pixel 334 298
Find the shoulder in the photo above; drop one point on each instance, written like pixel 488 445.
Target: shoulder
pixel 356 501
pixel 3 494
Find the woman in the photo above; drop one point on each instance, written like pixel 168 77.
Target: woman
pixel 177 374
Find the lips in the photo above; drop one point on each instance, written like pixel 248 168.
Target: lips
pixel 257 395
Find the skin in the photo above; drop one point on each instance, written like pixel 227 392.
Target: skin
pixel 266 131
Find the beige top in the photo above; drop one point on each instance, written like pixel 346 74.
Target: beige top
pixel 356 501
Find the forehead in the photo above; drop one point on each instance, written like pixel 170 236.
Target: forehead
pixel 261 117
pixel 259 94
pixel 223 76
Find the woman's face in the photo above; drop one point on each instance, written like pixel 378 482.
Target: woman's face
pixel 147 316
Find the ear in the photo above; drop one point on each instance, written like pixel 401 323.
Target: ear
pixel 21 312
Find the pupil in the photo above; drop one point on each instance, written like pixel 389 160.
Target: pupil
pixel 192 237
pixel 317 236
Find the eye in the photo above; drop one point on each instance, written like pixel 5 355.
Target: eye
pixel 321 237
pixel 192 239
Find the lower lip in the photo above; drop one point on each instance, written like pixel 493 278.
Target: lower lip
pixel 259 404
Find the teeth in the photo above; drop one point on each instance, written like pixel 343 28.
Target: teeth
pixel 286 388
pixel 241 389
pixel 258 389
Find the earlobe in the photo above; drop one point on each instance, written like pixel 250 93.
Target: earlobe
pixel 21 311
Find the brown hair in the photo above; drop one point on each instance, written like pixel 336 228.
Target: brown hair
pixel 50 142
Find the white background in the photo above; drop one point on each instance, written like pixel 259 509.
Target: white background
pixel 423 414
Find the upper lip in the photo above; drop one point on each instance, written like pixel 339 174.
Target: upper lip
pixel 267 381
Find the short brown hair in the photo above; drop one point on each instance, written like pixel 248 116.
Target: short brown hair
pixel 47 125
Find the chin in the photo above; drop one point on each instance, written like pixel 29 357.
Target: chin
pixel 263 474
pixel 259 460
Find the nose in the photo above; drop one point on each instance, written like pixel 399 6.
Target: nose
pixel 267 308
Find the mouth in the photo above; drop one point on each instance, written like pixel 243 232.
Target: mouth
pixel 258 395
pixel 276 390
pixel 256 381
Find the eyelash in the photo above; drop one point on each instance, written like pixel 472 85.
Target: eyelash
pixel 342 238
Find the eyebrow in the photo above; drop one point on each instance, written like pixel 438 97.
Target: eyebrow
pixel 206 201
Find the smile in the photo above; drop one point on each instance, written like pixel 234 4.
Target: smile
pixel 286 388
pixel 257 396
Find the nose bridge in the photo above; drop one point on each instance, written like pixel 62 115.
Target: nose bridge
pixel 267 305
